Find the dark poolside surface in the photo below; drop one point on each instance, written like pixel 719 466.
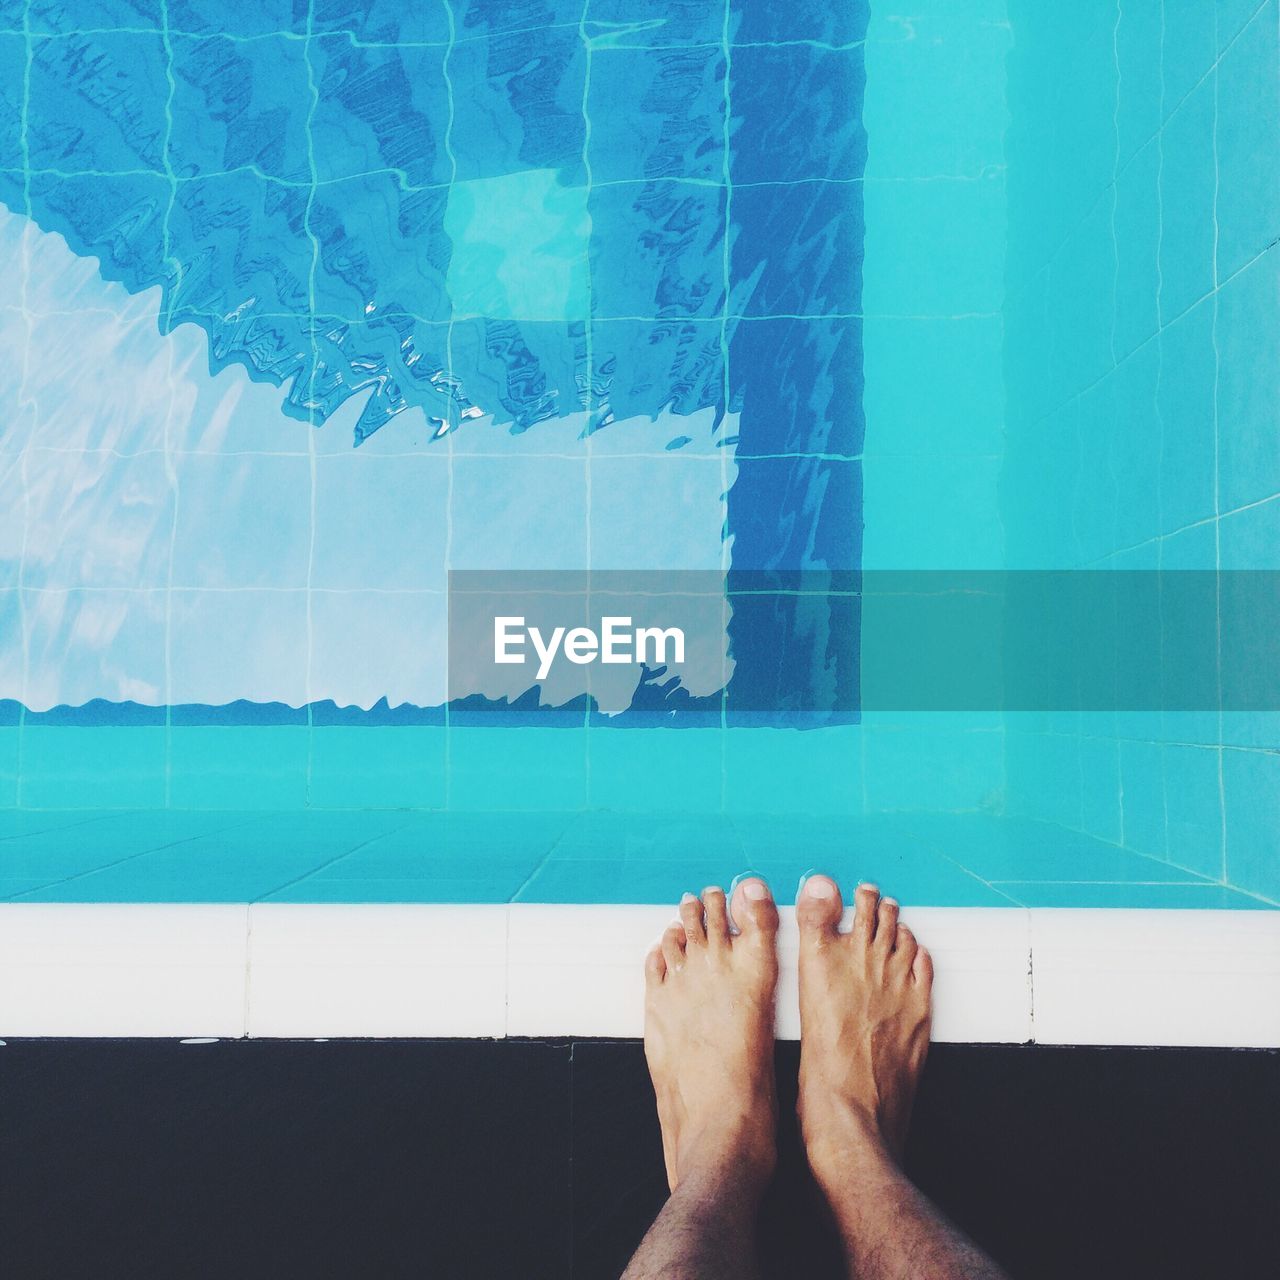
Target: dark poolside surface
pixel 540 1159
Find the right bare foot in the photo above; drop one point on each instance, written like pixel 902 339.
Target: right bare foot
pixel 864 1026
pixel 708 1034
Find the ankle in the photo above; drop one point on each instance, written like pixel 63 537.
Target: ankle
pixel 743 1152
pixel 843 1137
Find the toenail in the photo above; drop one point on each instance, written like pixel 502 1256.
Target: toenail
pixel 688 897
pixel 755 890
pixel 867 887
pixel 890 902
pixel 820 887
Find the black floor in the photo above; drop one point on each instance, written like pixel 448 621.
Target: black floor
pixel 539 1159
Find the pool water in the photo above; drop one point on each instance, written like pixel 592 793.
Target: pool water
pixel 316 304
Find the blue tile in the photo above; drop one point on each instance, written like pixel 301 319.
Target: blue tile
pixel 377 20
pixel 648 22
pixel 1188 376
pixel 1248 124
pixel 226 767
pixel 1143 798
pixel 492 886
pixel 682 770
pixel 797 250
pixel 526 768
pixel 818 406
pixel 1154 897
pixel 1187 186
pixel 953 126
pixel 815 20
pixel 110 15
pixel 826 87
pixel 513 111
pixel 675 128
pixel 1251 782
pixel 1189 49
pixel 1248 338
pixel 938 246
pixel 128 135
pixel 346 138
pixel 1250 538
pixel 9 737
pixel 1100 788
pixel 41 862
pixel 648 881
pixel 855 850
pixel 1138 64
pixel 815 771
pixel 256 17
pixel 931 767
pixel 937 512
pixel 106 767
pixel 238 864
pixel 621 841
pixel 1195 548
pixel 19 823
pixel 951 412
pixel 260 128
pixel 997 850
pixel 823 501
pixel 1136 452
pixel 388 767
pixel 1137 247
pixel 1194 807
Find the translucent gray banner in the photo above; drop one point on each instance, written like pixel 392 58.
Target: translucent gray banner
pixel 811 642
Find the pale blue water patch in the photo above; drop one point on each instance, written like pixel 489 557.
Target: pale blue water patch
pixel 492 218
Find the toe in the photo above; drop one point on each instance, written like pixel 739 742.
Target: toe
pixel 819 908
pixel 865 903
pixel 673 946
pixel 717 913
pixel 655 965
pixel 904 949
pixel 691 918
pixel 922 969
pixel 754 911
pixel 886 925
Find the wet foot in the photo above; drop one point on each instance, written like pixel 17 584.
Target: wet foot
pixel 708 1033
pixel 864 1027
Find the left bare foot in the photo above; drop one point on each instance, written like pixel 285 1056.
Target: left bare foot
pixel 864 1026
pixel 708 1034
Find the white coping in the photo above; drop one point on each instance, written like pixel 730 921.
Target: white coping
pixel 1135 977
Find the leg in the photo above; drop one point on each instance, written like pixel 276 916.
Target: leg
pixel 864 1020
pixel 708 1038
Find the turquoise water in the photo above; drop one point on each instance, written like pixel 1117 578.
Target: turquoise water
pixel 962 860
pixel 321 302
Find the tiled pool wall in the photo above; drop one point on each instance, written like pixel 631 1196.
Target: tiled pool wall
pixel 1019 166
pixel 1142 366
pixel 934 401
pixel 721 257
pixel 927 332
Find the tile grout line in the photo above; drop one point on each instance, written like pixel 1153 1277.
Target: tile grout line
pixel 1031 976
pixel 247 1026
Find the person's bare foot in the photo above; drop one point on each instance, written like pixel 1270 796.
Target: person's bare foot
pixel 864 1026
pixel 708 1033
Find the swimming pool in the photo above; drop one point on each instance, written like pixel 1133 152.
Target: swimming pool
pixel 321 307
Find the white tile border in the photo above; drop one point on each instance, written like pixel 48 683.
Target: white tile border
pixel 412 970
pixel 1141 977
pixel 99 969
